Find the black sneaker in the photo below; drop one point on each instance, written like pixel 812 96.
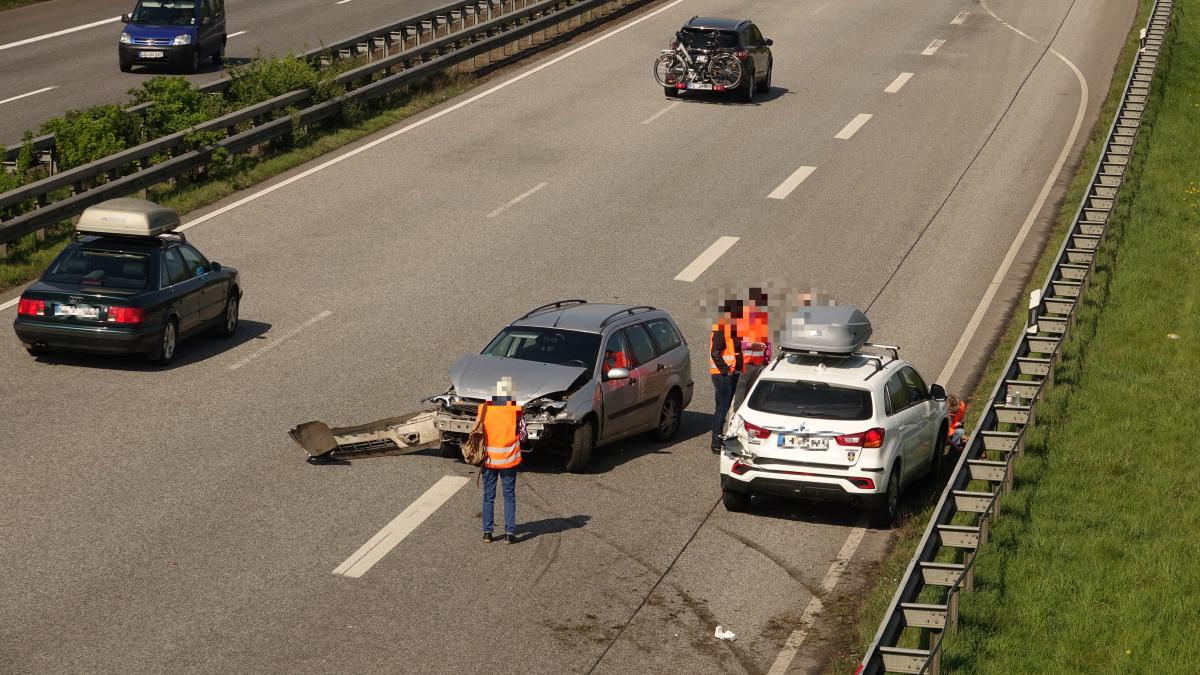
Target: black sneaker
pixel 487 537
pixel 716 449
pixel 510 538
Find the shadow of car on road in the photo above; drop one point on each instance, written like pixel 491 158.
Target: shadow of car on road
pixel 192 350
pixel 609 457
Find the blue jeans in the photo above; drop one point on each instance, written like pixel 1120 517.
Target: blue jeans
pixel 723 388
pixel 509 478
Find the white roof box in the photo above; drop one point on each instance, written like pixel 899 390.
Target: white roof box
pixel 127 217
pixel 840 330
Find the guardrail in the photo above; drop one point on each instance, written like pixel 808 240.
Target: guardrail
pixel 465 38
pixel 962 517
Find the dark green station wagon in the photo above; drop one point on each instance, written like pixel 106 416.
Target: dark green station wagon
pixel 127 284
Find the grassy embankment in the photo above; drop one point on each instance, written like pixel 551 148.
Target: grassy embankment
pixel 909 533
pixel 10 4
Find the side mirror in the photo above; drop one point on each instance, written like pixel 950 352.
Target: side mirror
pixel 938 392
pixel 124 18
pixel 617 374
pixel 214 267
pixel 768 42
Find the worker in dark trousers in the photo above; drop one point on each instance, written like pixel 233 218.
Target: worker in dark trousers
pixel 754 330
pixel 503 433
pixel 725 355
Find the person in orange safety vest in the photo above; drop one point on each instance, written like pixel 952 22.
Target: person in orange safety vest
pixel 504 432
pixel 956 410
pixel 726 362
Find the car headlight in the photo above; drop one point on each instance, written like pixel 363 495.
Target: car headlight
pixel 126 39
pixel 184 39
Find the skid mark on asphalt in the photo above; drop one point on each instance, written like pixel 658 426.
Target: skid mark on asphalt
pixel 280 340
pixel 815 606
pixel 792 572
pixel 401 526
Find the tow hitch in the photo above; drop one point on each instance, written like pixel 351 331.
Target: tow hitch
pixel 411 431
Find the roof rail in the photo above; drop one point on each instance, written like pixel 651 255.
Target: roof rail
pixel 629 310
pixel 876 358
pixel 554 305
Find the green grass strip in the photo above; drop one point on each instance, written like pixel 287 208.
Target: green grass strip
pixel 1093 566
pixel 908 535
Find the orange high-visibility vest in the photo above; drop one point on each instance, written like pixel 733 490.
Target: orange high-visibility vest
pixel 615 359
pixel 753 328
pixel 956 417
pixel 729 355
pixel 500 435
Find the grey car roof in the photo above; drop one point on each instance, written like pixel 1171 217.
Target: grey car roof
pixel 715 23
pixel 584 317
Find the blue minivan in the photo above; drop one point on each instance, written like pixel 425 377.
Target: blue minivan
pixel 173 33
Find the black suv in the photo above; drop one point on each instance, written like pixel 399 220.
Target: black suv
pixel 704 33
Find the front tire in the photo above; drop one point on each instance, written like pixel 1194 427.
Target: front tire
pixel 168 342
pixel 219 57
pixel 735 502
pixel 229 318
pixel 451 450
pixel 126 66
pixel 939 451
pixel 582 443
pixel 194 66
pixel 668 419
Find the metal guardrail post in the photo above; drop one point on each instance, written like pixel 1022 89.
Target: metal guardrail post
pixel 999 437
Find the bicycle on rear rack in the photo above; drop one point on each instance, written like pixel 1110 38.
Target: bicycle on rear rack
pixel 711 68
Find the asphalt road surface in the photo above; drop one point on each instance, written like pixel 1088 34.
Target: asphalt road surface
pixel 44 73
pixel 160 520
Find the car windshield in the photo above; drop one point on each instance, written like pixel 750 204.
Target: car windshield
pixel 546 345
pixel 817 400
pixel 91 268
pixel 165 12
pixel 694 38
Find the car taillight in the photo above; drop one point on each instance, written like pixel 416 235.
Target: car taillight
pixel 871 438
pixel 681 85
pixel 755 431
pixel 718 87
pixel 862 483
pixel 740 468
pixel 741 54
pixel 31 307
pixel 126 314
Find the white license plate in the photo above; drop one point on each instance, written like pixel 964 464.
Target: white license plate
pixel 77 310
pixel 803 443
pixel 150 55
pixel 699 85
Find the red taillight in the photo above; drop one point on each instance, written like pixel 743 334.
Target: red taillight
pixel 740 468
pixel 126 314
pixel 863 483
pixel 31 307
pixel 718 87
pixel 741 54
pixel 871 438
pixel 755 431
pixel 681 85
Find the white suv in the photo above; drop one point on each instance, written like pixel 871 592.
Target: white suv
pixel 836 422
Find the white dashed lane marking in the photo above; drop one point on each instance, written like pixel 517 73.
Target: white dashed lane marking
pixel 852 128
pixel 900 81
pixel 933 47
pixel 706 259
pixel 785 188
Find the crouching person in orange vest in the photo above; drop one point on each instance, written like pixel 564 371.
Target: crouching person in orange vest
pixel 504 432
pixel 956 410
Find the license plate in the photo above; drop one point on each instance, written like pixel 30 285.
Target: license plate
pixel 77 310
pixel 786 441
pixel 150 55
pixel 699 85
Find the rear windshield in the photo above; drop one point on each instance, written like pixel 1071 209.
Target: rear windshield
pixel 101 269
pixel 694 38
pixel 817 400
pixel 546 345
pixel 165 12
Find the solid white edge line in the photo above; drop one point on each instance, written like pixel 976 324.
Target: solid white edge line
pixel 65 31
pixel 233 35
pixel 10 303
pixel 662 112
pixel 958 20
pixel 1015 248
pixel 421 122
pixel 933 47
pixel 901 80
pixel 706 259
pixel 516 200
pixel 792 645
pixel 401 526
pixel 792 182
pixel 852 128
pixel 32 93
pixel 280 340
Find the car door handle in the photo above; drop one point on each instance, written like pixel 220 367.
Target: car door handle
pixel 633 380
pixel 663 366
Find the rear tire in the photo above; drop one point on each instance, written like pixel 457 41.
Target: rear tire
pixel 668 419
pixel 735 502
pixel 746 91
pixel 35 351
pixel 670 92
pixel 764 87
pixel 582 443
pixel 168 344
pixel 451 450
pixel 887 513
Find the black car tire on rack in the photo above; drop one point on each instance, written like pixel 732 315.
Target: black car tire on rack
pixel 582 442
pixel 168 343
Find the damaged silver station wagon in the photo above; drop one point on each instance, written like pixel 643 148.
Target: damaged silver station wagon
pixel 587 374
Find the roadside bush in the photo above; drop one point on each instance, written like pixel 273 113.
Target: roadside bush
pixel 175 106
pixel 266 77
pixel 83 136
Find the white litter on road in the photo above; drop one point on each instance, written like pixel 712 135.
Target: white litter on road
pixel 724 634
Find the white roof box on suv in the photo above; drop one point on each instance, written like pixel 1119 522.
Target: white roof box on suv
pixel 840 330
pixel 127 217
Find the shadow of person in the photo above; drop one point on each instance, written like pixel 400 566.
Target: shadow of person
pixel 536 528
